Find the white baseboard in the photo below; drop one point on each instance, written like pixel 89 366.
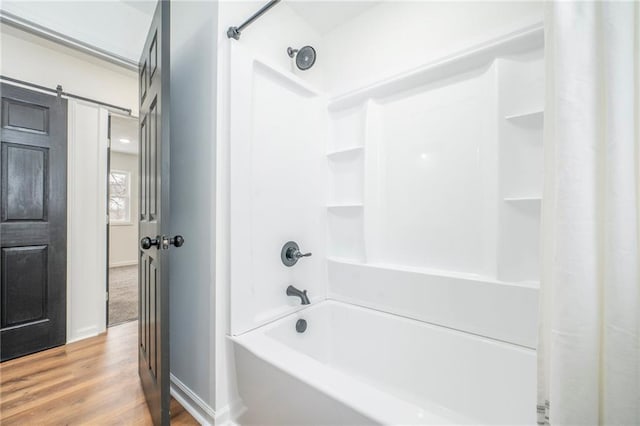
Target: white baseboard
pixel 191 402
pixel 227 416
pixel 83 333
pixel 123 263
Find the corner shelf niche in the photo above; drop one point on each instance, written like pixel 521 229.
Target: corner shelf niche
pixel 530 119
pixel 335 155
pixel 345 167
pixel 523 199
pixel 345 206
pixel 520 100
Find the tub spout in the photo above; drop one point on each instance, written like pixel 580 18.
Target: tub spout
pixel 292 291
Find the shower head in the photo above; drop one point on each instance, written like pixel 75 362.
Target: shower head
pixel 305 57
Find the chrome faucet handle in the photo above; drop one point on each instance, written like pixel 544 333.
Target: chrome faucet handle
pixel 291 253
pixel 299 255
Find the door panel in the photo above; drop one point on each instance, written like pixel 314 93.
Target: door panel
pixel 24 284
pixel 25 116
pixel 26 182
pixel 153 365
pixel 33 225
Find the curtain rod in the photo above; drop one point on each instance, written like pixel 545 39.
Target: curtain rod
pixel 59 92
pixel 234 32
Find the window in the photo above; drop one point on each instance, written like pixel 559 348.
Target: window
pixel 119 197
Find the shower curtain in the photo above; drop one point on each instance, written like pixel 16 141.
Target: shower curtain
pixel 589 340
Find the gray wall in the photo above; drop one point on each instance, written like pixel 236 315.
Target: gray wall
pixel 193 144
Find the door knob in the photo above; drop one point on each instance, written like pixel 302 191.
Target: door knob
pixel 146 243
pixel 177 241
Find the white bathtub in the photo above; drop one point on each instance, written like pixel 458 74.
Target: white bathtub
pixel 356 366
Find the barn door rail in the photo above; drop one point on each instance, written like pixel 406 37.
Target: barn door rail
pixel 58 91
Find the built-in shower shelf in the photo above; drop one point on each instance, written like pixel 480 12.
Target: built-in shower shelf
pixel 345 151
pixel 523 199
pixel 346 260
pixel 345 206
pixel 531 117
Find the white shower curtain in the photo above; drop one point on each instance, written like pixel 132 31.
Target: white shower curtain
pixel 589 341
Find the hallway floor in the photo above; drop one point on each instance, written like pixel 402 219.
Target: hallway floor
pixel 94 381
pixel 123 294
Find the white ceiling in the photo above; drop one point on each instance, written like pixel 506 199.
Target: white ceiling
pixel 145 6
pixel 124 128
pixel 324 16
pixel 118 27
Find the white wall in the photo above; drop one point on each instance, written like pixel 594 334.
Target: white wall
pixel 193 168
pixel 30 58
pixel 86 220
pixel 123 237
pixel 397 36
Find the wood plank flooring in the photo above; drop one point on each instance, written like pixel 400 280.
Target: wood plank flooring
pixel 94 381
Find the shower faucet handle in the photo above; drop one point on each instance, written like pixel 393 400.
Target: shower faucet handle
pixel 291 253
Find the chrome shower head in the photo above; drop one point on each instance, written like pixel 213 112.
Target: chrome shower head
pixel 305 57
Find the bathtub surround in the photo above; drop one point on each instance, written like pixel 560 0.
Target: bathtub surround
pixel 339 196
pixel 411 218
pixel 590 317
pixel 486 308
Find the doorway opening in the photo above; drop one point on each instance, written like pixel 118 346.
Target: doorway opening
pixel 123 185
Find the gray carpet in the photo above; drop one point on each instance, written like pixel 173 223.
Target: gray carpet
pixel 123 294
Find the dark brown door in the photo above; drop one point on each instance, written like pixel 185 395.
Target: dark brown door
pixel 33 227
pixel 153 363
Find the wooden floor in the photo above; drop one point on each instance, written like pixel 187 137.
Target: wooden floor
pixel 94 381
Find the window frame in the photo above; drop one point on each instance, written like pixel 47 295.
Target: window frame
pixel 128 221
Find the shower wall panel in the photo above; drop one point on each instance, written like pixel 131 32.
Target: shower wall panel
pixel 446 227
pixel 278 172
pixel 437 154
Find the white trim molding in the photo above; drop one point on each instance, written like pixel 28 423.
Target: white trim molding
pixel 85 333
pixel 227 415
pixel 86 219
pixel 191 402
pixel 123 263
